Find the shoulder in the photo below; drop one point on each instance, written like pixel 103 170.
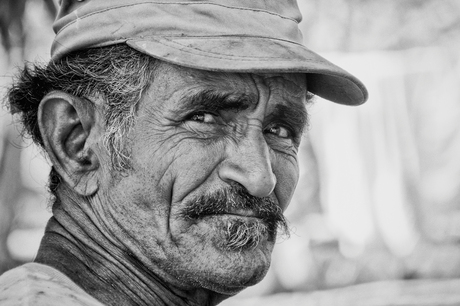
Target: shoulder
pixel 40 285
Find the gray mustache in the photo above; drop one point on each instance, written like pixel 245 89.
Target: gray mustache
pixel 232 199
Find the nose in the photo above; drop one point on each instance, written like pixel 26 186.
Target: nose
pixel 248 163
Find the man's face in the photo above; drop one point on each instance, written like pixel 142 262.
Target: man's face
pixel 214 164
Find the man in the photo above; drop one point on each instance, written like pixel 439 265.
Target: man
pixel 172 129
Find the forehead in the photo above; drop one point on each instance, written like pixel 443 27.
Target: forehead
pixel 177 80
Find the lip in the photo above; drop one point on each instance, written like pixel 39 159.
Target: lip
pixel 241 213
pixel 244 213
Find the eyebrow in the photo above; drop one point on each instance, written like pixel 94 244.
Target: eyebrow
pixel 295 114
pixel 212 100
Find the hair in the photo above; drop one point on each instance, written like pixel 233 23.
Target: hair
pixel 118 74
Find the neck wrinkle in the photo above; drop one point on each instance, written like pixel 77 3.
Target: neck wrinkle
pixel 74 245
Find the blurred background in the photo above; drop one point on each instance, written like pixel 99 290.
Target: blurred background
pixel 376 216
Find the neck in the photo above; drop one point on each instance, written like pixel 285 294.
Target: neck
pixel 74 245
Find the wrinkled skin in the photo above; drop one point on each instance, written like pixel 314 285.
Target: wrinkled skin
pixel 181 151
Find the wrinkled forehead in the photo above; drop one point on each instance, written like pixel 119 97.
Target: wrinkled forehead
pixel 292 85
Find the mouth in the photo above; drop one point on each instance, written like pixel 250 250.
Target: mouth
pixel 244 213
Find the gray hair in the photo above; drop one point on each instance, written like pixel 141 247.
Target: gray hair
pixel 118 74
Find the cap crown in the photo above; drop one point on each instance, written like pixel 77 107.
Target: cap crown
pixel 218 35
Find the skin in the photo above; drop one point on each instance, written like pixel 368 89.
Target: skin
pixel 121 236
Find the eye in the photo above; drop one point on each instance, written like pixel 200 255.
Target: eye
pixel 203 117
pixel 279 131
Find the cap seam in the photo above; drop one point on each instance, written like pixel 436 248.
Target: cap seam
pixel 167 3
pixel 122 40
pixel 221 56
pixel 217 37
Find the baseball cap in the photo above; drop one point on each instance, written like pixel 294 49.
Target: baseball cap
pixel 256 36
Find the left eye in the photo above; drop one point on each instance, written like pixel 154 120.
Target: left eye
pixel 204 118
pixel 279 131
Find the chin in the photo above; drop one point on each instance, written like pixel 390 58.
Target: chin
pixel 237 279
pixel 222 272
pixel 237 270
pixel 206 259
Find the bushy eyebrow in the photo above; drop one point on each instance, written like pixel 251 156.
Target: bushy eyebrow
pixel 214 101
pixel 294 115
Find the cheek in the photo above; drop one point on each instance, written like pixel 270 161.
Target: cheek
pixel 194 166
pixel 287 176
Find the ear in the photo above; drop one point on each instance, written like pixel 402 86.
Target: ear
pixel 68 128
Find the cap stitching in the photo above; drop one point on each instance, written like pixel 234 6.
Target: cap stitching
pixel 182 46
pixel 167 3
pixel 221 56
pixel 219 36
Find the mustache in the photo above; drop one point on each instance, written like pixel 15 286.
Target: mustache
pixel 230 200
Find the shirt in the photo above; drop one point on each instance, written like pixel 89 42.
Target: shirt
pixel 41 285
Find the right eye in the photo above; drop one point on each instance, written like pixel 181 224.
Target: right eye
pixel 203 117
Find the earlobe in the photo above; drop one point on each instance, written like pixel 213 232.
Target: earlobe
pixel 67 126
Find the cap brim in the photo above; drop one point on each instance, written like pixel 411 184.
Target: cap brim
pixel 257 55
